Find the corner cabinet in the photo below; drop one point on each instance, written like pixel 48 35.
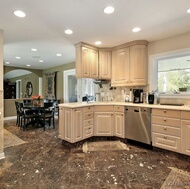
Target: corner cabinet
pixel 129 64
pixel 86 61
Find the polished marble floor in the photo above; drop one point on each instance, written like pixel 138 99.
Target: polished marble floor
pixel 45 162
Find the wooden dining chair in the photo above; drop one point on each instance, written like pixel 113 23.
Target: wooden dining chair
pixel 47 113
pixel 19 113
pixel 29 117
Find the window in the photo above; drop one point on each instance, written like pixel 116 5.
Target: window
pixel 170 74
pixel 174 74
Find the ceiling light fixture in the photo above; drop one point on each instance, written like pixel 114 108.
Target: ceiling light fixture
pixel 19 13
pixel 7 62
pixel 98 42
pixel 28 65
pixel 41 61
pixel 68 31
pixel 188 11
pixel 33 49
pixel 137 29
pixel 58 54
pixel 109 10
pixel 18 57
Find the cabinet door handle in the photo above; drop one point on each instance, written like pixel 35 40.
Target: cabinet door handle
pixel 165 137
pixel 165 128
pixel 164 111
pixel 165 120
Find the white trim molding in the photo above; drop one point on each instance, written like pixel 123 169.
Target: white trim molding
pixel 2 155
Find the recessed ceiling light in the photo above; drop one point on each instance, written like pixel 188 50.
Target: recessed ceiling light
pixel 188 11
pixel 58 54
pixel 7 62
pixel 98 42
pixel 18 57
pixel 19 13
pixel 109 10
pixel 137 29
pixel 28 65
pixel 68 31
pixel 33 49
pixel 41 61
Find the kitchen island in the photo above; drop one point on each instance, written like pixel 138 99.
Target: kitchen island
pixel 170 125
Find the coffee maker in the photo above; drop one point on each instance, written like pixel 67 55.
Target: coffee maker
pixel 137 95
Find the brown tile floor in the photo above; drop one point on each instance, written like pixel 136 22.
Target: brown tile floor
pixel 45 162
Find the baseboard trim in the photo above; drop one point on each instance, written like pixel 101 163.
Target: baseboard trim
pixel 9 118
pixel 2 155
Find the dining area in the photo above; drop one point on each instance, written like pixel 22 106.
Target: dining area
pixel 36 112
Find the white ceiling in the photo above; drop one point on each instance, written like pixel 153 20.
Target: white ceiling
pixel 45 22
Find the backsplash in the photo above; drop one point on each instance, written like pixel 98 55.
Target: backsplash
pixel 117 94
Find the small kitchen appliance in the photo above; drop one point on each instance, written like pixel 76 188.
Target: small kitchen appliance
pixel 151 98
pixel 137 94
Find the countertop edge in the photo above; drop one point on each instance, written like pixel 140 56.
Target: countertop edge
pixel 158 106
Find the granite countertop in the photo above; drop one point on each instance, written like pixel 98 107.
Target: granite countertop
pixel 84 104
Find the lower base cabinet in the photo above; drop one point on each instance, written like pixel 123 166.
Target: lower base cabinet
pixel 71 124
pixel 103 124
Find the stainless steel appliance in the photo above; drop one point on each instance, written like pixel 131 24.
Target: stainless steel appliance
pixel 138 124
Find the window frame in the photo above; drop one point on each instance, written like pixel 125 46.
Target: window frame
pixel 153 71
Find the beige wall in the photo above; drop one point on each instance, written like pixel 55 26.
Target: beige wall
pixel 1 96
pixel 11 68
pixel 33 78
pixel 170 44
pixel 60 70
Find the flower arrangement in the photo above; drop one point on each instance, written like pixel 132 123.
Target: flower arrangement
pixel 37 97
pixel 37 100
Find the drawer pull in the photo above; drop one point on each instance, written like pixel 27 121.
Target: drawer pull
pixel 165 120
pixel 88 121
pixel 165 137
pixel 164 111
pixel 88 114
pixel 165 128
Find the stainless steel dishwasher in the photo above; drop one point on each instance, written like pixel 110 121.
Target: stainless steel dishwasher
pixel 138 124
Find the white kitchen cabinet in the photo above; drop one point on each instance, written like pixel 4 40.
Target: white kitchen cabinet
pixel 104 64
pixel 86 61
pixel 120 67
pixel 119 126
pixel 70 124
pixel 88 122
pixel 65 124
pixel 103 120
pixel 166 129
pixel 129 65
pixel 185 127
pixel 138 65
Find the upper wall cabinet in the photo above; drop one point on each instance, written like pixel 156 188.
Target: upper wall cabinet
pixel 86 61
pixel 105 64
pixel 129 64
